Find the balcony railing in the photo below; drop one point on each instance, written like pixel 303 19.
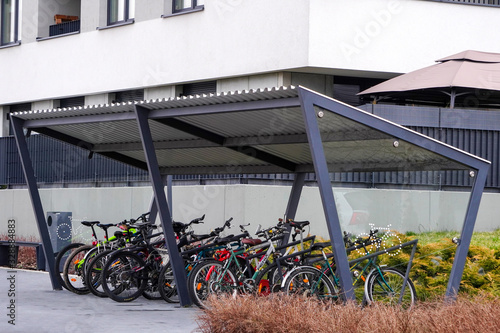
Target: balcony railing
pixel 64 28
pixel 493 3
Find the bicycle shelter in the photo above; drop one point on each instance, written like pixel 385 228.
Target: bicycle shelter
pixel 279 130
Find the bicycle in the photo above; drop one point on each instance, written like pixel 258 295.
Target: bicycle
pixel 134 271
pixel 231 271
pixel 380 284
pixel 77 262
pixel 196 248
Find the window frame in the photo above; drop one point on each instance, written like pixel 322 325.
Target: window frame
pixel 15 40
pixel 126 13
pixel 194 7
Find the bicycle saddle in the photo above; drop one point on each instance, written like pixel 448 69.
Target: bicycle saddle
pixel 106 226
pixel 251 241
pixel 319 246
pixel 90 223
pixel 299 224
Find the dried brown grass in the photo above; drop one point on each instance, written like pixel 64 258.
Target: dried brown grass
pixel 285 314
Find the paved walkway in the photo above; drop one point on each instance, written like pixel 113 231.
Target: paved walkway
pixel 38 308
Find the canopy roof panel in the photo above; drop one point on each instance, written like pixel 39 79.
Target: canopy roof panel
pixel 260 131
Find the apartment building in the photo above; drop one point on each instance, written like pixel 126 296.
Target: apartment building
pixel 72 53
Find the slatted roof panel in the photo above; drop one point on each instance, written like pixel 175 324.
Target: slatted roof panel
pixel 240 132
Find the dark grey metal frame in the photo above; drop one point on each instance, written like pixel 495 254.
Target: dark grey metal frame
pixel 162 205
pixel 307 100
pixel 480 170
pixel 29 174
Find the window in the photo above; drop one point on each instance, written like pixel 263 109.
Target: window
pixel 72 102
pixel 119 11
pixel 199 88
pixel 128 96
pixel 186 5
pixel 9 10
pixel 346 88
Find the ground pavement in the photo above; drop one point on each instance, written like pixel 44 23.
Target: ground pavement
pixel 28 301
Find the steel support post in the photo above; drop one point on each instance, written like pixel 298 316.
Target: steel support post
pixel 326 192
pixel 293 202
pixel 169 192
pixel 466 235
pixel 29 175
pixel 162 205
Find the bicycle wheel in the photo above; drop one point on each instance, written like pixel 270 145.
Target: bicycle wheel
pixel 93 274
pixel 309 281
pixel 270 279
pixel 74 273
pixel 210 277
pixel 167 285
pixel 152 290
pixel 385 286
pixel 61 258
pixel 124 276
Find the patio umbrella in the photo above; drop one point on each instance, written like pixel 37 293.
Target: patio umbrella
pixel 464 73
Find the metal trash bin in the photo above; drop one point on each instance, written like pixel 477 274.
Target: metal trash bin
pixel 60 230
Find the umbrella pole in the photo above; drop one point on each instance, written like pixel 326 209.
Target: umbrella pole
pixel 452 98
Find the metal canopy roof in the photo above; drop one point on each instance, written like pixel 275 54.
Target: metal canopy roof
pixel 260 131
pixel 272 130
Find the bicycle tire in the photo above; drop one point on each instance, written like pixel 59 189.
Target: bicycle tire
pixel 203 282
pixel 74 274
pixel 167 285
pixel 61 258
pixel 385 286
pixel 274 279
pixel 309 281
pixel 93 278
pixel 152 290
pixel 124 277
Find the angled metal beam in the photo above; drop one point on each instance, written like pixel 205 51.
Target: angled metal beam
pixel 153 210
pixel 29 175
pixel 475 163
pixel 327 198
pixel 266 157
pixel 466 235
pixel 202 143
pixel 64 137
pixel 90 147
pixel 162 205
pixel 126 159
pixel 219 140
pixel 295 193
pixel 293 203
pixel 397 131
pixel 193 130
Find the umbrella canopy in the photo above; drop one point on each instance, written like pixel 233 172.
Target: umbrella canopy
pixel 473 75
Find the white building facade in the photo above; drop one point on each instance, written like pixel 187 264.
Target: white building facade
pixel 106 51
pixel 158 47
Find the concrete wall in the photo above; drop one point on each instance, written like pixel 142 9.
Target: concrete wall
pixel 401 210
